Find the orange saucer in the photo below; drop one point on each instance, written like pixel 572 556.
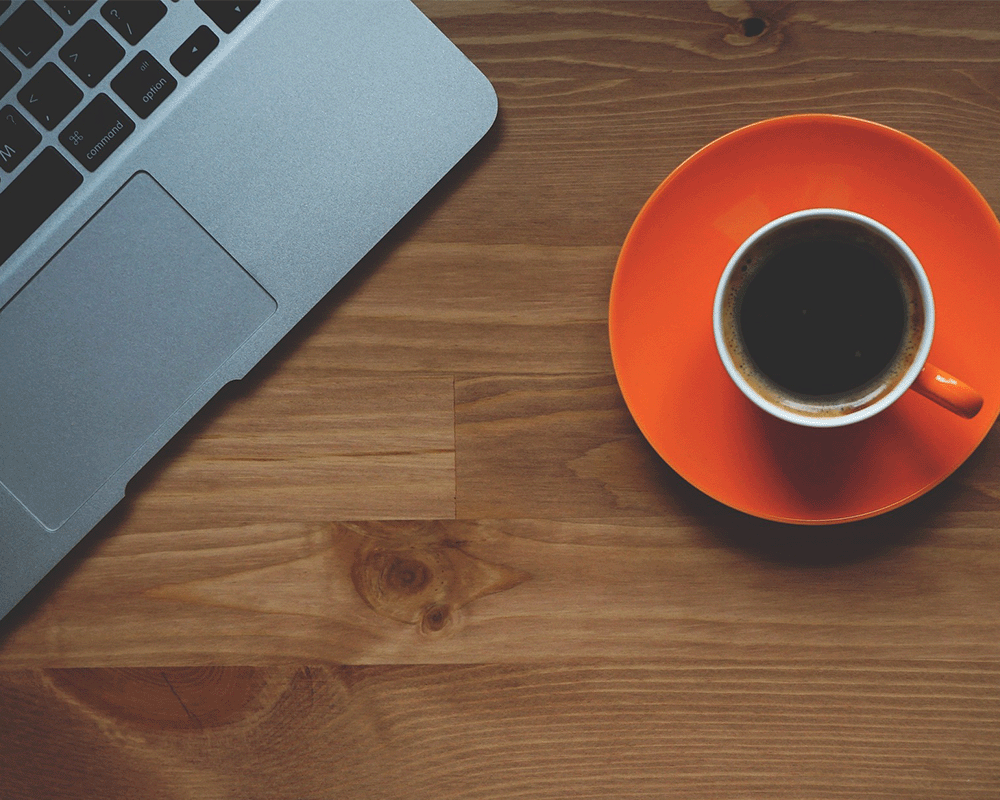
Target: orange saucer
pixel 661 318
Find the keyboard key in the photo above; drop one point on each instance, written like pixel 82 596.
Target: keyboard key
pixel 133 19
pixel 4 5
pixel 91 53
pixel 49 96
pixel 96 132
pixel 226 14
pixel 9 75
pixel 17 139
pixel 194 50
pixel 32 196
pixel 143 84
pixel 70 10
pixel 29 32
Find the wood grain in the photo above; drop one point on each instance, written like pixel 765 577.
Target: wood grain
pixel 917 583
pixel 683 729
pixel 423 551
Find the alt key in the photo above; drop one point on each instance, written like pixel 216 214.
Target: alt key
pixel 143 84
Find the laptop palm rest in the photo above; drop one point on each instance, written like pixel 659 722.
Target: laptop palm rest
pixel 109 339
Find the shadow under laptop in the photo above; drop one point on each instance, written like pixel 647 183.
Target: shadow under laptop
pixel 34 604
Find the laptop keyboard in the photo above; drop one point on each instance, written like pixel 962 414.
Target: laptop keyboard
pixel 52 56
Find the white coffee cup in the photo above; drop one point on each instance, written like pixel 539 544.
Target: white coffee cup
pixel 825 317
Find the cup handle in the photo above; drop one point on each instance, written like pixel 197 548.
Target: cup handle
pixel 948 391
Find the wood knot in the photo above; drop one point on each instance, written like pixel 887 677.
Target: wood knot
pixel 426 583
pixel 406 575
pixel 435 618
pixel 747 28
pixel 752 30
pixel 753 26
pixel 397 583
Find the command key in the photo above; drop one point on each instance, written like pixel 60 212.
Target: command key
pixel 96 132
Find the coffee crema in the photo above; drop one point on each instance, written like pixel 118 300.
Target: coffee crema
pixel 822 316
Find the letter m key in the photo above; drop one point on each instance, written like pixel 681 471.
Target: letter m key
pixel 17 138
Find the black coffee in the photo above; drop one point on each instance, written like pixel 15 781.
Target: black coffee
pixel 822 317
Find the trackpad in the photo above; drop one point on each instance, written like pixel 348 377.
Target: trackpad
pixel 108 340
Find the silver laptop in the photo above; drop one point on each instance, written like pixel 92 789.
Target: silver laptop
pixel 180 182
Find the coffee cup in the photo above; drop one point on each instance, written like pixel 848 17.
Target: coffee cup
pixel 825 317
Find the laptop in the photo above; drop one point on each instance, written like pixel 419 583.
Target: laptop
pixel 180 182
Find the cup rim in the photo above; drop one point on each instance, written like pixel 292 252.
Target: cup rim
pixel 904 383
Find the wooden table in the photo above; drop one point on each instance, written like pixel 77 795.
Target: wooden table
pixel 423 552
